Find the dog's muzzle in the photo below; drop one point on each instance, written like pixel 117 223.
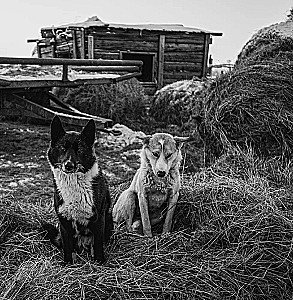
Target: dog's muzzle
pixel 161 174
pixel 69 166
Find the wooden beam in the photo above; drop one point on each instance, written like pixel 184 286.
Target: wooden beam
pixel 74 43
pixel 39 50
pixel 65 73
pixel 68 61
pixel 73 110
pixel 80 80
pixel 205 55
pixel 108 68
pixel 126 76
pixel 161 61
pixel 82 44
pixel 90 47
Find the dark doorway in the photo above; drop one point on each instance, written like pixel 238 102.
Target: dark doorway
pixel 148 64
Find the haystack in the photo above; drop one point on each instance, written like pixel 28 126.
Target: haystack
pixel 253 105
pixel 174 103
pixel 232 239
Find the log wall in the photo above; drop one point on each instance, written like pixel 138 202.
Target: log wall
pixel 179 55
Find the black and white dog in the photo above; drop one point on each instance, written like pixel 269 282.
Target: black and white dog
pixel 81 196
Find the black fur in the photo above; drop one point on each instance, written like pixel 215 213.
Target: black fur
pixel 72 152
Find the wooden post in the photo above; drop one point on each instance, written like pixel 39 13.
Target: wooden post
pixel 82 44
pixel 53 50
pixel 65 73
pixel 205 55
pixel 74 43
pixel 39 50
pixel 161 61
pixel 90 47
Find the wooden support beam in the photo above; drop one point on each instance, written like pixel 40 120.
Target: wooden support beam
pixel 82 44
pixel 108 68
pixel 39 50
pixel 65 73
pixel 74 43
pixel 205 55
pixel 161 61
pixel 126 76
pixel 90 47
pixel 68 61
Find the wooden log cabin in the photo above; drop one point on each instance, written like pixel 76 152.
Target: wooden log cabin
pixel 170 52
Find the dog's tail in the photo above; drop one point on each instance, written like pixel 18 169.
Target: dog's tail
pixel 52 233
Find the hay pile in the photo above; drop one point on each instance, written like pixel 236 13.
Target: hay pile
pixel 252 104
pixel 123 102
pixel 174 103
pixel 232 240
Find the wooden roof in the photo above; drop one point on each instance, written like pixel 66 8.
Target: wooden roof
pixel 152 27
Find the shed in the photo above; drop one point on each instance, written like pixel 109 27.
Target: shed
pixel 170 52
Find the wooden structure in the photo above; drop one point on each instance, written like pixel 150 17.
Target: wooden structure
pixel 169 52
pixel 24 95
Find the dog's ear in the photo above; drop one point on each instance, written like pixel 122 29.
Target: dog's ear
pixel 88 134
pixel 180 140
pixel 145 139
pixel 57 130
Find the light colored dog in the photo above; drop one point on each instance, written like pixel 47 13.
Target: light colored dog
pixel 154 190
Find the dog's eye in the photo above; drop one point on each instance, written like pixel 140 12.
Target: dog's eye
pixel 156 154
pixel 168 155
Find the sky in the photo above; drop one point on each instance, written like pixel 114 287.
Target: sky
pixel 238 20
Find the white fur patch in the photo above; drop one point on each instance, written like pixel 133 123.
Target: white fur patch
pixel 77 194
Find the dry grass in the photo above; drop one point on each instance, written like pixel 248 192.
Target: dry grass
pixel 174 103
pixel 232 239
pixel 251 105
pixel 124 102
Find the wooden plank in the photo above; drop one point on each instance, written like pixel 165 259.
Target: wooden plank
pixel 126 76
pixel 205 56
pixel 64 73
pixel 125 45
pixel 82 44
pixel 72 109
pixel 91 47
pixel 39 50
pixel 153 38
pixel 151 35
pixel 176 47
pixel 178 67
pixel 144 46
pixel 184 57
pixel 106 54
pixel 74 44
pixel 108 68
pixel 67 61
pixel 46 83
pixel 81 80
pixel 161 51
